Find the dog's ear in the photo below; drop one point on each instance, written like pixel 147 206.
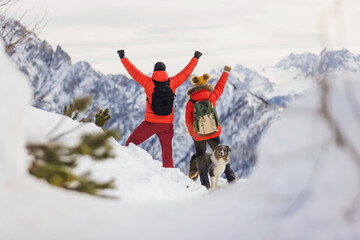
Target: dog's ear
pixel 228 149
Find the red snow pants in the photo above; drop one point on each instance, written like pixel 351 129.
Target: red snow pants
pixel 165 133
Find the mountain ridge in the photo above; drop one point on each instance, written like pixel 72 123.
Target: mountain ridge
pixel 248 105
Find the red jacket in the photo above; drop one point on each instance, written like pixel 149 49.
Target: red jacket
pixel 160 76
pixel 201 93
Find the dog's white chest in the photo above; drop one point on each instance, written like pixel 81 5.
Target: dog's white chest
pixel 218 170
pixel 219 166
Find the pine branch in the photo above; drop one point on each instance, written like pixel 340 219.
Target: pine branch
pixel 102 117
pixel 55 162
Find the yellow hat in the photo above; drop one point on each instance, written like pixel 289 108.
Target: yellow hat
pixel 198 80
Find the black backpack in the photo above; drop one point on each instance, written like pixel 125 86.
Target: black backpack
pixel 162 98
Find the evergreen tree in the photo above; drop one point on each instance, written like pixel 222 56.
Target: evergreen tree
pixel 55 162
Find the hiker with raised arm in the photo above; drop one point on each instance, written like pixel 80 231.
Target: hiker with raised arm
pixel 160 94
pixel 203 123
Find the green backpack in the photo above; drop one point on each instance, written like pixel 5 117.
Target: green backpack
pixel 206 120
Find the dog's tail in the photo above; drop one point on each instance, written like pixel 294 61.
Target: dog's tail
pixel 193 169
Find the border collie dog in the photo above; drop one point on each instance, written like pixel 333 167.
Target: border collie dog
pixel 215 163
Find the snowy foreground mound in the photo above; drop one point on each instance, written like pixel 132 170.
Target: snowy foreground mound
pixel 306 185
pixel 138 176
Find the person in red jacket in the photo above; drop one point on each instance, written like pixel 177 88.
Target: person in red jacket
pixel 201 92
pixel 161 125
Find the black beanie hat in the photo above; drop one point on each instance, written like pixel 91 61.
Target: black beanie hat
pixel 159 66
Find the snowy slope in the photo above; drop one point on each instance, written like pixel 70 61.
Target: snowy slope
pixel 137 175
pixel 304 187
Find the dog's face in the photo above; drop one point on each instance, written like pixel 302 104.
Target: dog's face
pixel 222 153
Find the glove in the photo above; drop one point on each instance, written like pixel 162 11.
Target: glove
pixel 197 54
pixel 121 53
pixel 227 68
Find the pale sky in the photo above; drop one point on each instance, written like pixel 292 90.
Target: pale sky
pixel 254 33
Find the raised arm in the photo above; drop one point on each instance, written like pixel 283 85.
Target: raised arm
pixel 219 88
pixel 135 73
pixel 181 77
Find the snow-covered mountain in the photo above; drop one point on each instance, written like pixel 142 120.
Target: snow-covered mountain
pixel 297 73
pixel 247 106
pixel 327 62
